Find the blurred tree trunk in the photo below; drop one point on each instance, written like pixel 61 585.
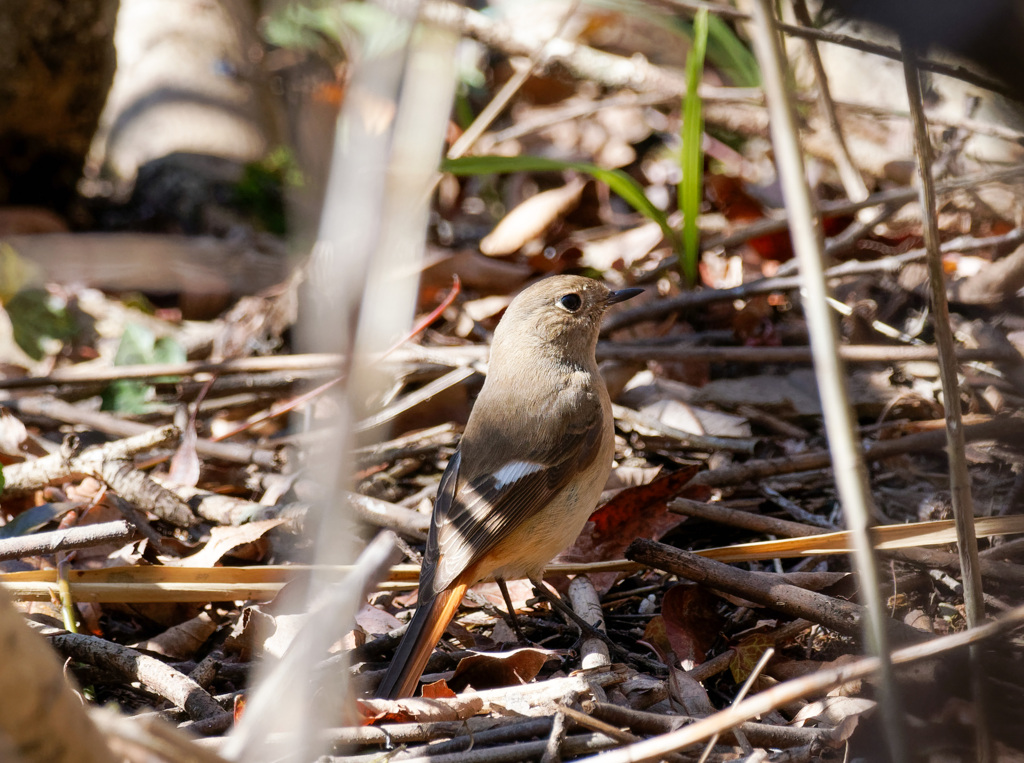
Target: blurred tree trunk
pixel 57 62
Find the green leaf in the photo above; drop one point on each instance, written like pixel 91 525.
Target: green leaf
pixel 139 346
pixel 126 396
pixel 691 186
pixel 136 346
pixel 38 320
pixel 167 350
pixel 32 519
pixel 617 180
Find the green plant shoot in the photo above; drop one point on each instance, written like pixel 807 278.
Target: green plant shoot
pixel 691 185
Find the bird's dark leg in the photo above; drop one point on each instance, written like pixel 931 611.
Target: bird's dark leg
pixel 513 620
pixel 569 613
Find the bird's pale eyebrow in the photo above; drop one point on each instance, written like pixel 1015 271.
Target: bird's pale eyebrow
pixel 514 471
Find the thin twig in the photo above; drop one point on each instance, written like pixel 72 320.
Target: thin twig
pixel 743 692
pixel 853 183
pixel 887 51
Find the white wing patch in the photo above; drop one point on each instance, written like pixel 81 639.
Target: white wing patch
pixel 512 472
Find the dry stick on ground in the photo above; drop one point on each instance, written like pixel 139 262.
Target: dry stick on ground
pixel 58 410
pixel 759 734
pixel 410 444
pixel 87 375
pixel 587 604
pixel 515 699
pixel 155 676
pixel 463 734
pixel 746 520
pixel 40 544
pixel 854 353
pixel 752 471
pixel 553 745
pixel 230 510
pixel 579 744
pixel 811 685
pixel 765 589
pixel 540 117
pixel 585 63
pixel 890 201
pixel 858 353
pixel 421 395
pixel 139 489
pixel 992 570
pixel 138 518
pixel 391 516
pixel 25 477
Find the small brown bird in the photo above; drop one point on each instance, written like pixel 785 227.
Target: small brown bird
pixel 535 456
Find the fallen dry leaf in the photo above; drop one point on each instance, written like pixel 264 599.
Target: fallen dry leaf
pixel 746 654
pixel 375 620
pixel 494 670
pixel 531 218
pixel 224 540
pixel 637 512
pixel 437 690
pixel 181 642
pixel 692 622
pixel 832 711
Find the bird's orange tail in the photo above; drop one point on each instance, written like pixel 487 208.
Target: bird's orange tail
pixel 428 623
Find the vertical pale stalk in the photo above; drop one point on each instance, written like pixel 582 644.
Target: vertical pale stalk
pixel 42 717
pixel 847 462
pixel 959 478
pixel 363 287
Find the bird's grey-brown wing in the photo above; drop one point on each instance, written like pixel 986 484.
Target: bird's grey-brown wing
pixel 473 511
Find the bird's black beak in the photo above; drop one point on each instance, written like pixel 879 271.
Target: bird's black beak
pixel 622 295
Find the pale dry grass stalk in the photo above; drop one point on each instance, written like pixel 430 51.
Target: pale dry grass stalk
pixel 848 463
pixel 959 477
pixel 364 277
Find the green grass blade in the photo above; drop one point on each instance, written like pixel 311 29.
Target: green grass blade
pixel 692 157
pixel 730 56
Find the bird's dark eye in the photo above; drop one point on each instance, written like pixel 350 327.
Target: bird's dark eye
pixel 570 302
